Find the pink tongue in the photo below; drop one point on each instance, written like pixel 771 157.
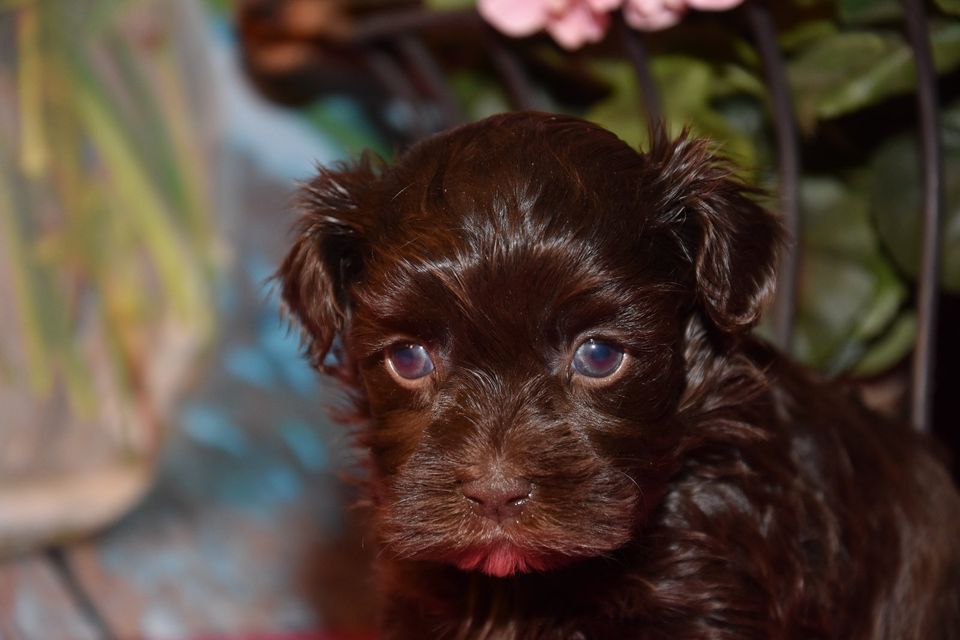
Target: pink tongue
pixel 504 561
pixel 499 561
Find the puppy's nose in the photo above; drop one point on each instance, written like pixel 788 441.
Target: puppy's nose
pixel 498 498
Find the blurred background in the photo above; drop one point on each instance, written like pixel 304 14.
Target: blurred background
pixel 167 466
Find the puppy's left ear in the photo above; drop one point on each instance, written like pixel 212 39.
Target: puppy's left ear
pixel 730 241
pixel 327 256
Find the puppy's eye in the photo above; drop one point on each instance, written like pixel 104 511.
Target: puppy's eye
pixel 409 362
pixel 595 359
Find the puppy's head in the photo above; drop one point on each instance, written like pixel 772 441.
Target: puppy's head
pixel 512 298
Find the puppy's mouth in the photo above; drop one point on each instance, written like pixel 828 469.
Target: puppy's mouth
pixel 503 559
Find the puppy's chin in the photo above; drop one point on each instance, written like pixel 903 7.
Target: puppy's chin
pixel 504 559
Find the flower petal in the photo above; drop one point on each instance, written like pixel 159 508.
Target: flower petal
pixel 713 5
pixel 514 18
pixel 604 6
pixel 578 25
pixel 647 15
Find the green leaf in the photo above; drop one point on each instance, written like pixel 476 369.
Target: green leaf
pixel 949 6
pixel 480 95
pixel 847 71
pixel 869 11
pixel 220 7
pixel 849 294
pixel 621 111
pixel 690 95
pixel 689 92
pixel 447 5
pixel 896 201
pixel 339 118
pixel 806 33
pixel 890 348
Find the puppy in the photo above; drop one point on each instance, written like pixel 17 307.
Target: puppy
pixel 571 431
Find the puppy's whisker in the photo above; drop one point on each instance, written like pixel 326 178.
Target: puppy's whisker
pixel 399 193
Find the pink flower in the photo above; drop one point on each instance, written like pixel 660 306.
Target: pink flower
pixel 573 23
pixel 713 5
pixel 653 15
pixel 578 23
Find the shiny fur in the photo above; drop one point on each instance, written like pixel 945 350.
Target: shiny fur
pixel 711 490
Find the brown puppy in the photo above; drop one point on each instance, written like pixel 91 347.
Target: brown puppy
pixel 571 432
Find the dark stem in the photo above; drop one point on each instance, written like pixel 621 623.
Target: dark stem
pixel 427 69
pixel 637 54
pixel 788 158
pixel 932 175
pixel 511 72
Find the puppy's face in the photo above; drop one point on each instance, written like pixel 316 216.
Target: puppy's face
pixel 512 298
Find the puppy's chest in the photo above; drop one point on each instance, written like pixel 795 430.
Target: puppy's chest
pixel 446 606
pixel 500 618
pixel 598 601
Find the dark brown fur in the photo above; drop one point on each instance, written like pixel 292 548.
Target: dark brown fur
pixel 714 490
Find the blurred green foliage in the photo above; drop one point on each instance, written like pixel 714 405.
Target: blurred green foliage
pixel 852 79
pixel 104 203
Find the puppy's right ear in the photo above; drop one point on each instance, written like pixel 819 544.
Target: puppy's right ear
pixel 327 255
pixel 730 243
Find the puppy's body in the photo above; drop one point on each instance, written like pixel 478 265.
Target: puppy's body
pixel 571 432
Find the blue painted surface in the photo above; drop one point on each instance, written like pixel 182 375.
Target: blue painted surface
pixel 210 426
pixel 257 448
pixel 306 445
pixel 250 365
pixel 259 272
